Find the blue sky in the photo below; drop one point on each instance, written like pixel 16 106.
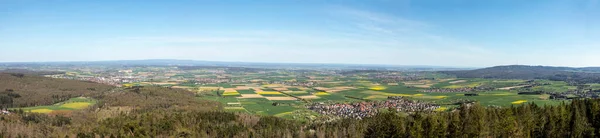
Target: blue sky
pixel 471 33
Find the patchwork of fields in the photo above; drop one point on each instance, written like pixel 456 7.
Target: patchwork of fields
pixel 287 93
pixel 282 100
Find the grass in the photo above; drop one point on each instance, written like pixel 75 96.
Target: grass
pixel 268 89
pixel 294 89
pixel 334 98
pixel 555 86
pixel 260 106
pixel 250 91
pixel 263 106
pixel 234 108
pixel 385 93
pixel 231 91
pixel 494 83
pixel 283 114
pixel 298 93
pixel 594 86
pixel 224 85
pixel 461 85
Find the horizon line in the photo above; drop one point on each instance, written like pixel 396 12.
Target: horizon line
pixel 259 62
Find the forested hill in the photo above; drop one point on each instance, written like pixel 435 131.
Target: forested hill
pixel 22 90
pixel 581 75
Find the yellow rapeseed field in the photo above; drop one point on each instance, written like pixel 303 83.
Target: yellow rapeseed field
pixel 440 97
pixel 322 93
pixel 441 109
pixel 377 88
pixel 41 111
pixel 127 85
pixel 269 92
pixel 76 105
pixel 519 102
pixel 230 93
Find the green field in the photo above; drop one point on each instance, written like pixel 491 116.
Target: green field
pixel 294 89
pixel 555 86
pixel 298 93
pixel 246 91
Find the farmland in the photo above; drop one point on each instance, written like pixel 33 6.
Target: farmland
pixel 287 92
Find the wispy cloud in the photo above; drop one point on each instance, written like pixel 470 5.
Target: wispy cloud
pixel 412 35
pixel 379 18
pixel 373 37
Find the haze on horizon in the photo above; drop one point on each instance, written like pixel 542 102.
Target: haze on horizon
pixel 398 32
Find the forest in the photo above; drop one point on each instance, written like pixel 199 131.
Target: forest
pixel 30 89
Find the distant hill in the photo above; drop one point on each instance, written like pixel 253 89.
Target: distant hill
pixel 581 75
pixel 175 62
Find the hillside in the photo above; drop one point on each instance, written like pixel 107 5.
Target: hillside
pixel 580 75
pixel 21 90
pixel 154 97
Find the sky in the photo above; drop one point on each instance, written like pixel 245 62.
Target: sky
pixel 469 33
